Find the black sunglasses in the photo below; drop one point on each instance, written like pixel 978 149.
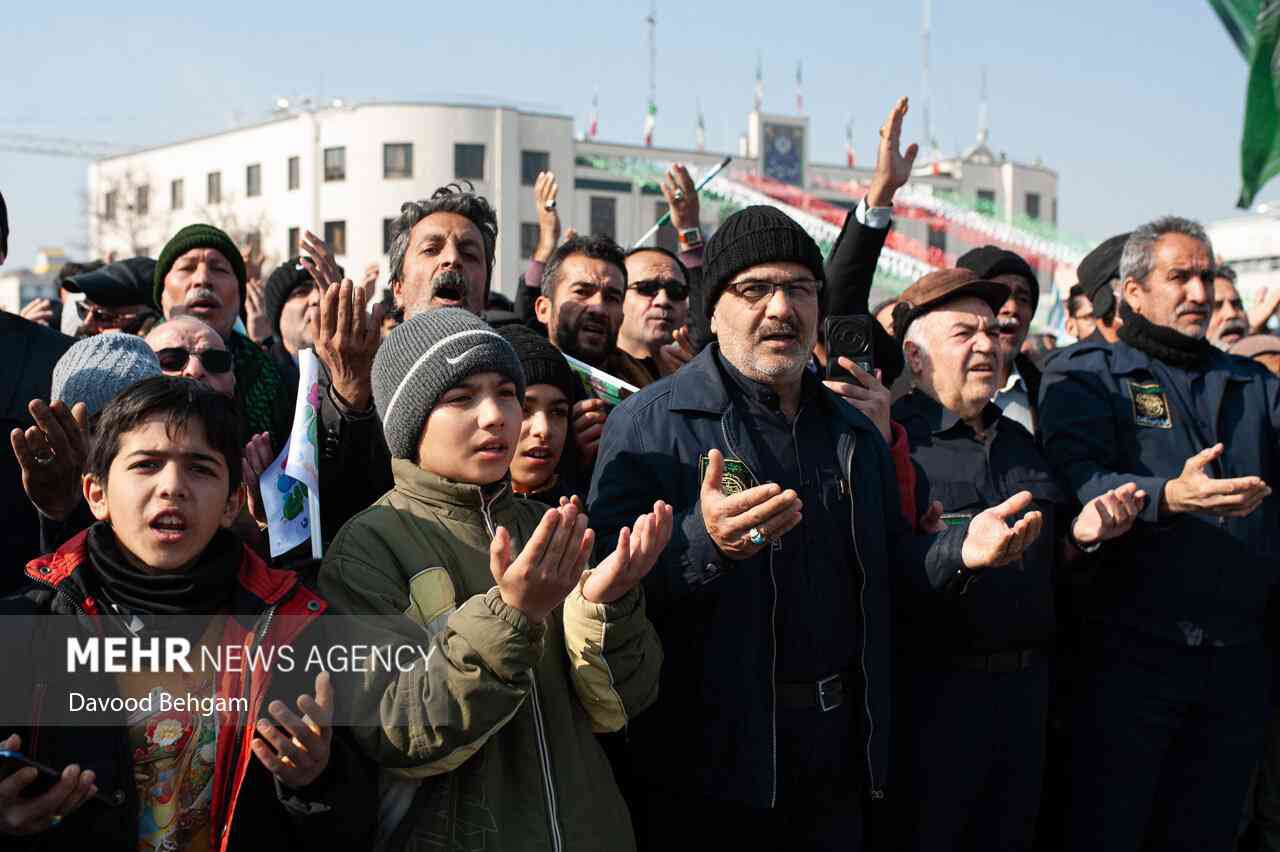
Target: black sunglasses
pixel 676 291
pixel 175 358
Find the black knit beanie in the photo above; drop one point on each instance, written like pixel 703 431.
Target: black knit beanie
pixel 280 285
pixel 543 364
pixel 199 236
pixel 754 235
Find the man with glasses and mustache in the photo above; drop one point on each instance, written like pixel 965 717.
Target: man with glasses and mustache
pixel 117 297
pixel 771 726
pixel 1174 686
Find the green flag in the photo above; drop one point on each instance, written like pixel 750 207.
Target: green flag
pixel 1240 17
pixel 1260 147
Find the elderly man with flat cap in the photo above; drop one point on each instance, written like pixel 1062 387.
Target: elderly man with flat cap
pixel 973 675
pixel 771 726
pixel 1175 664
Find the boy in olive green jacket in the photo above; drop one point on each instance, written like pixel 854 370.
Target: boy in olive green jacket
pixel 488 742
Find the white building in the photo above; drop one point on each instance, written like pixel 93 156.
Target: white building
pixel 1250 243
pixel 343 172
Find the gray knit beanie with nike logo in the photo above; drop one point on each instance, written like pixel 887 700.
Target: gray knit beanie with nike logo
pixel 422 359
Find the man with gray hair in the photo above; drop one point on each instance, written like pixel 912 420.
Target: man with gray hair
pixel 442 251
pixel 1174 682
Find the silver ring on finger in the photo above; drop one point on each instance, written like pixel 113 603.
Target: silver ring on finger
pixel 757 536
pixel 44 459
pixel 550 204
pixel 678 195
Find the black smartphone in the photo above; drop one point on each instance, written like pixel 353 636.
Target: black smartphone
pixel 850 336
pixel 12 761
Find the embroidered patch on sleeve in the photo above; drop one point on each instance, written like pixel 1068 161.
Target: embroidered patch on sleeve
pixel 1150 405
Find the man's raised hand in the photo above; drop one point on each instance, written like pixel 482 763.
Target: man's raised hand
pixel 545 190
pixel 1195 491
pixel 991 541
pixel 21 814
pixel 549 566
pixel 893 167
pixel 729 520
pixel 1109 515
pixel 299 753
pixel 637 551
pixel 52 455
pixel 346 340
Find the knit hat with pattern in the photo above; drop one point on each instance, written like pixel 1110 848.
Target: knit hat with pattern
pixel 422 359
pixel 97 368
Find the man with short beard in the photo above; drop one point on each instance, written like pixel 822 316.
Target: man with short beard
pixel 583 288
pixel 1229 324
pixel 442 251
pixel 772 599
pixel 1175 669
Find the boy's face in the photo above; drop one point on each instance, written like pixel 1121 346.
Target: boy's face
pixel 165 495
pixel 471 434
pixel 542 434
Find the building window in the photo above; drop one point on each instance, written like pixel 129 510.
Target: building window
pixel 532 162
pixel 294 249
pixel 528 239
pixel 253 180
pixel 397 160
pixel 335 163
pixel 335 234
pixel 109 204
pixel 295 174
pixel 938 239
pixel 1055 211
pixel 176 194
pixel 388 234
pixel 987 201
pixel 213 190
pixel 604 216
pixel 468 161
pixel 142 200
pixel 1033 205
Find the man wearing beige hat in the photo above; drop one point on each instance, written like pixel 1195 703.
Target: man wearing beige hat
pixel 973 678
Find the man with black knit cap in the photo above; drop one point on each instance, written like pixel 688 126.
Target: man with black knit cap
pixel 1173 693
pixel 771 724
pixel 1018 385
pixel 1099 276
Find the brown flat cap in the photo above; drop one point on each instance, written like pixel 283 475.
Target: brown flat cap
pixel 1255 345
pixel 939 287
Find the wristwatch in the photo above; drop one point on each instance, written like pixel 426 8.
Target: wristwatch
pixel 690 238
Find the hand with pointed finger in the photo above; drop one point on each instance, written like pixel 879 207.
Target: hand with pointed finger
pixel 1196 491
pixel 638 550
pixel 1109 515
pixel 296 748
pixel 27 814
pixel 672 356
pixel 545 190
pixel 52 455
pixel 991 541
pixel 869 395
pixel 549 566
pixel 257 458
pixel 318 259
pixel 347 338
pixel 729 520
pixel 893 167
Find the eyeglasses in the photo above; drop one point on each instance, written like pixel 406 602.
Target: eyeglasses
pixel 175 358
pixel 676 291
pixel 88 311
pixel 753 292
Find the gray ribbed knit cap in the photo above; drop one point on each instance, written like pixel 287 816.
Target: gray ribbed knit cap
pixel 423 358
pixel 97 368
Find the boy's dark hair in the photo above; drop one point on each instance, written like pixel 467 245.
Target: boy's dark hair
pixel 684 272
pixel 597 247
pixel 178 401
pixel 451 198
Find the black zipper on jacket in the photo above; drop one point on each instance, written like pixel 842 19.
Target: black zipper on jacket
pixel 876 793
pixel 773 634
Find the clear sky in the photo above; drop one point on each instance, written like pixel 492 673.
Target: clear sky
pixel 1137 104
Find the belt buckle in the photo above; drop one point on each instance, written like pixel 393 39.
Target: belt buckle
pixel 830 686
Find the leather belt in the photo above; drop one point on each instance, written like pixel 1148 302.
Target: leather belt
pixel 999 662
pixel 825 695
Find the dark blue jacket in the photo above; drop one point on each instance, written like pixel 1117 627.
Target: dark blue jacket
pixel 712 732
pixel 1193 579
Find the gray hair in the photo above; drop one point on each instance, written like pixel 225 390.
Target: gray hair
pixel 1137 259
pixel 917 334
pixel 453 198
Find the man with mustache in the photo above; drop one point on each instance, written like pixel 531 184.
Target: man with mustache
pixel 972 670
pixel 442 251
pixel 1174 685
pixel 1018 384
pixel 772 600
pixel 656 305
pixel 1229 324
pixel 583 288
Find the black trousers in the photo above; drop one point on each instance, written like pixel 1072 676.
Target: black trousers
pixel 969 756
pixel 1163 743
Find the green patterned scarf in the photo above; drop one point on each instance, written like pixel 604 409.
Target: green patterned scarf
pixel 258 386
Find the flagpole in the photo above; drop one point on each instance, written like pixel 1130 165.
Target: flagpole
pixel 666 217
pixel 313 511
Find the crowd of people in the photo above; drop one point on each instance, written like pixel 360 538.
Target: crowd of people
pixel 970 592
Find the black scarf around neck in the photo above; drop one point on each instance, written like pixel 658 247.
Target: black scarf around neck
pixel 1162 342
pixel 205 588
